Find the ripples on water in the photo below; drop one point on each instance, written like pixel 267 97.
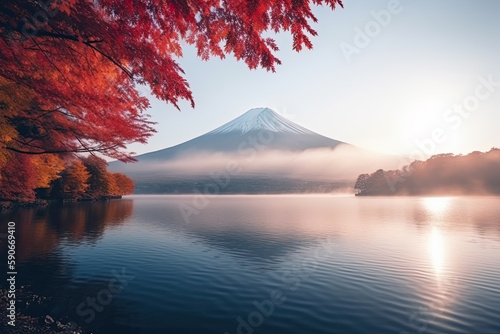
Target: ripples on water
pixel 332 264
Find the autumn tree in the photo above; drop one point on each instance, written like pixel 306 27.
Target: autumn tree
pixel 46 168
pixel 75 180
pixel 99 180
pixel 78 64
pixel 18 180
pixel 121 184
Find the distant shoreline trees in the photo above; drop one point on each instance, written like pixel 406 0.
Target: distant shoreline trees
pixel 25 179
pixel 442 174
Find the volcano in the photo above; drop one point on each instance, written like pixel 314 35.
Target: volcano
pixel 275 131
pixel 272 153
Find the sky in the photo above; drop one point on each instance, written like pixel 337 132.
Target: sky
pixel 392 76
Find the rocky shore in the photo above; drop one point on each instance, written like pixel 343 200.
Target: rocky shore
pixel 32 317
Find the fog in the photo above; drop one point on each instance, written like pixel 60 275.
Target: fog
pixel 342 163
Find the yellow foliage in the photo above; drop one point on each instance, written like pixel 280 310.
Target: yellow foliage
pixel 47 168
pixel 75 179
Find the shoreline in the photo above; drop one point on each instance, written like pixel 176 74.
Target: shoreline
pixel 11 205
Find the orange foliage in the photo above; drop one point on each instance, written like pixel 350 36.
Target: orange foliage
pixel 24 176
pixel 74 179
pixel 121 184
pixel 70 72
pixel 46 168
pixel 79 62
pixel 99 181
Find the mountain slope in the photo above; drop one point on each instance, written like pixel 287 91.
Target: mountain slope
pixel 263 125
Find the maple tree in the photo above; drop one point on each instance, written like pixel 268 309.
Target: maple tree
pixel 18 180
pixel 77 64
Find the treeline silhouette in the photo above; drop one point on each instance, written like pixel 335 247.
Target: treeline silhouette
pixel 443 174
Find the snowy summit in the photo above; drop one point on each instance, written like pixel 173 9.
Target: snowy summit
pixel 233 136
pixel 261 119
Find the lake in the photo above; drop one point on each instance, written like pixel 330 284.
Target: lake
pixel 266 264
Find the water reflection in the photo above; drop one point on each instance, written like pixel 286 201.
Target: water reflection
pixel 437 205
pixel 40 230
pixel 391 257
pixel 436 248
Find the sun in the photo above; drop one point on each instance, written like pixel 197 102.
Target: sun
pixel 419 121
pixel 424 117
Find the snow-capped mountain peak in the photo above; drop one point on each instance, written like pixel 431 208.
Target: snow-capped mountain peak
pixel 233 137
pixel 260 119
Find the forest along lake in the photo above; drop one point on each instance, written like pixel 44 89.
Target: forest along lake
pixel 266 264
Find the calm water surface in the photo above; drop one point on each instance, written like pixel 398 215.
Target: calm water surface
pixel 267 264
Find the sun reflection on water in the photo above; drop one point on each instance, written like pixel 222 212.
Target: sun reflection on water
pixel 436 248
pixel 445 291
pixel 437 205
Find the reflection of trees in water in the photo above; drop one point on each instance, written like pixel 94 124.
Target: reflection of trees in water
pixel 88 220
pixel 40 230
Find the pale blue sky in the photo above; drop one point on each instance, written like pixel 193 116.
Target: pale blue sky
pixel 393 93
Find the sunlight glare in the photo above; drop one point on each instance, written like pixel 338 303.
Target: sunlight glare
pixel 436 249
pixel 423 117
pixel 436 205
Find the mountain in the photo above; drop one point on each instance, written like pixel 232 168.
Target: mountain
pixel 268 153
pixel 264 125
